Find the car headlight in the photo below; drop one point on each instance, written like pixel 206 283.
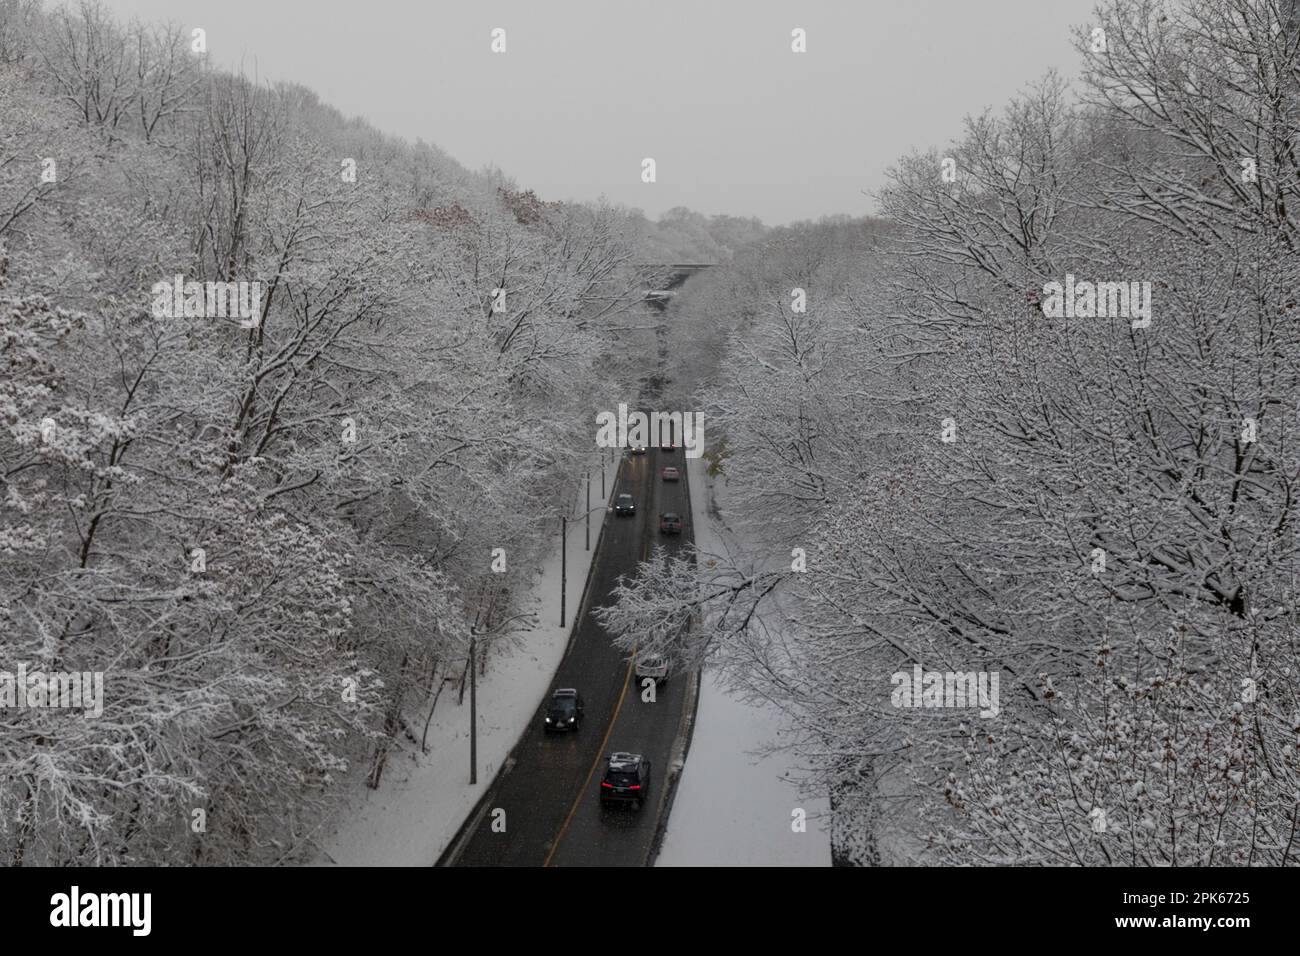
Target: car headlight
pixel 548 720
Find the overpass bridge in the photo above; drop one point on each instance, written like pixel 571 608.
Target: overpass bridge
pixel 676 272
pixel 662 280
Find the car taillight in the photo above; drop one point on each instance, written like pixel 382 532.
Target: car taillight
pixel 634 786
pixel 604 783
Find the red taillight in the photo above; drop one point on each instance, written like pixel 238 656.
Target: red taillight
pixel 634 786
pixel 604 784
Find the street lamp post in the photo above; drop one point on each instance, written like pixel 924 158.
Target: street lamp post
pixel 473 708
pixel 473 692
pixel 564 552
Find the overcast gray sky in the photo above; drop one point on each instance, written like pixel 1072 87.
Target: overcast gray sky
pixel 735 121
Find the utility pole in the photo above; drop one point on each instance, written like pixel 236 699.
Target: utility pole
pixel 473 708
pixel 564 548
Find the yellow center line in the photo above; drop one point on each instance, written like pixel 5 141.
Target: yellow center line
pixel 627 678
pixel 604 742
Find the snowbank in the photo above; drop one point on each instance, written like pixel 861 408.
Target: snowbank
pixel 733 808
pixel 423 799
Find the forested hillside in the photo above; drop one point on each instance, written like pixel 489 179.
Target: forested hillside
pixel 683 236
pixel 271 532
pixel 944 469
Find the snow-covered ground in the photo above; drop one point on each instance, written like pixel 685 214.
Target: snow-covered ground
pixel 733 807
pixel 423 799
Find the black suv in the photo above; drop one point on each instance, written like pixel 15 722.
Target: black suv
pixel 563 710
pixel 627 780
pixel 624 505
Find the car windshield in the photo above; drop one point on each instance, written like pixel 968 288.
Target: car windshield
pixel 562 705
pixel 620 779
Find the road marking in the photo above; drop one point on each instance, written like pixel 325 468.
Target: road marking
pixel 604 742
pixel 627 677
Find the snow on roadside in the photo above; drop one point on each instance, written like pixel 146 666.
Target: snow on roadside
pixel 423 799
pixel 733 808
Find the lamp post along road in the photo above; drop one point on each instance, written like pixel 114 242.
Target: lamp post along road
pixel 473 708
pixel 564 552
pixel 473 692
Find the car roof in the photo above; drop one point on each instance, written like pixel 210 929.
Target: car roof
pixel 565 692
pixel 621 760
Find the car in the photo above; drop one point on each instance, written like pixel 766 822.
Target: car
pixel 670 523
pixel 626 780
pixel 651 665
pixel 624 505
pixel 637 449
pixel 667 448
pixel 672 474
pixel 563 710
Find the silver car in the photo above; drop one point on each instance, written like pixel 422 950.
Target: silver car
pixel 651 665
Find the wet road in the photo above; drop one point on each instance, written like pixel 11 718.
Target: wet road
pixel 550 793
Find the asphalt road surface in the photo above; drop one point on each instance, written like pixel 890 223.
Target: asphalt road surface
pixel 550 794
